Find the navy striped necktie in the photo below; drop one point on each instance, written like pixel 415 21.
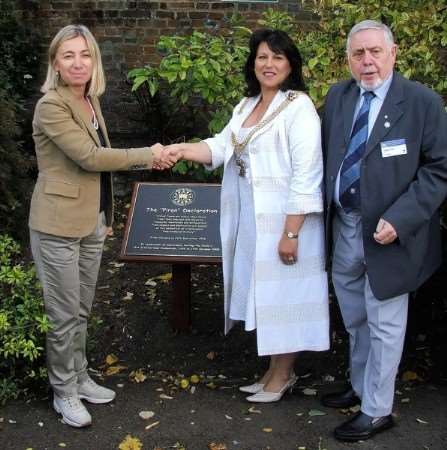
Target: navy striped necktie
pixel 349 192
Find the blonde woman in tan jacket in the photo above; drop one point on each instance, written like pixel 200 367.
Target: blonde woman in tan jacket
pixel 72 209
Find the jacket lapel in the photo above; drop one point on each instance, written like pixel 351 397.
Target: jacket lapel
pixel 248 108
pixel 80 114
pixel 389 114
pixel 349 101
pixel 277 100
pixel 99 116
pixel 242 112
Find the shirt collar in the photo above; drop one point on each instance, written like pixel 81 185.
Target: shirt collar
pixel 382 90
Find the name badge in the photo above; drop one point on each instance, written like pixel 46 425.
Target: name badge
pixel 393 148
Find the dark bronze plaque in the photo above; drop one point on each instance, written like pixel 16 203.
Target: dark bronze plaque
pixel 173 222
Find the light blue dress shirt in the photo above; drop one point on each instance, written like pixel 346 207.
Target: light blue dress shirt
pixel 374 109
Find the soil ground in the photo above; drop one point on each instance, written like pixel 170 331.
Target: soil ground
pixel 130 320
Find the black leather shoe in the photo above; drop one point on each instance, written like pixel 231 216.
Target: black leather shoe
pixel 362 427
pixel 344 399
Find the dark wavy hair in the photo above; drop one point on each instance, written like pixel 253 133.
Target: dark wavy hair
pixel 278 42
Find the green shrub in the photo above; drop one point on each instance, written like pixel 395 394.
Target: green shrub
pixel 203 71
pixel 202 74
pixel 419 28
pixel 17 74
pixel 23 323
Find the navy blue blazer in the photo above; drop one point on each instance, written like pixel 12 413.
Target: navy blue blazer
pixel 406 190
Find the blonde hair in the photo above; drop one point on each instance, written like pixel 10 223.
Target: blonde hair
pixel 97 84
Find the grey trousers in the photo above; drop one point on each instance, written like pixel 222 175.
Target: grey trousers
pixel 68 269
pixel 376 328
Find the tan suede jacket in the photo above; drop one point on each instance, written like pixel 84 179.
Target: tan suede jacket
pixel 70 160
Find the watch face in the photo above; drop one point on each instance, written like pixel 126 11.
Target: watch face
pixel 289 234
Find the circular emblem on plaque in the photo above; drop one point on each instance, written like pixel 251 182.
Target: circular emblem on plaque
pixel 182 196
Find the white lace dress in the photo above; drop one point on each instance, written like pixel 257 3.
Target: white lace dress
pixel 242 301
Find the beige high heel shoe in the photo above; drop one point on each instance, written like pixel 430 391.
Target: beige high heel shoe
pixel 252 388
pixel 269 397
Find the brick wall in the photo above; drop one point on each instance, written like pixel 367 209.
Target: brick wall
pixel 127 32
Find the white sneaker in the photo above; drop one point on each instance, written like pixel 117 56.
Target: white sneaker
pixel 94 393
pixel 73 412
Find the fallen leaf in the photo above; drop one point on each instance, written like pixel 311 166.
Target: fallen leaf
pixel 422 421
pixel 328 378
pixel 228 417
pixel 111 359
pixel 115 264
pixel 164 277
pixel 253 410
pixel 409 375
pixel 211 355
pixel 211 385
pixel 62 444
pixel 179 446
pixel 195 379
pixel 12 421
pixel 267 430
pixel 113 370
pixel 184 383
pixel 137 376
pixel 166 397
pixel 151 425
pixel 128 296
pixel 217 446
pixel 146 415
pixel 316 412
pixel 130 443
pixel 151 282
pixel 405 400
pixel 309 391
pixel 40 424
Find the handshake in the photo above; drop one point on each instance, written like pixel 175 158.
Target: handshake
pixel 164 157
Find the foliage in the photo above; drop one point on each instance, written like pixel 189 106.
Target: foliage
pixel 202 72
pixel 17 72
pixel 419 28
pixel 23 323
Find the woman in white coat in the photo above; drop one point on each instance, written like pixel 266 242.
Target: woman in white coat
pixel 271 212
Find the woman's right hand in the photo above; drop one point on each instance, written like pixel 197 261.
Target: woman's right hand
pixel 163 157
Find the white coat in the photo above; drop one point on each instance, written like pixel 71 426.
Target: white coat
pixel 291 301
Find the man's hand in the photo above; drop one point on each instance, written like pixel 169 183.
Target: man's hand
pixel 385 233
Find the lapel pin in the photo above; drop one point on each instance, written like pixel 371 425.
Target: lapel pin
pixel 386 124
pixel 386 116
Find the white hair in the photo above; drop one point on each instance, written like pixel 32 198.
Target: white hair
pixel 370 25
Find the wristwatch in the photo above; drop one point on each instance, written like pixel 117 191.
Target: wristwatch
pixel 290 235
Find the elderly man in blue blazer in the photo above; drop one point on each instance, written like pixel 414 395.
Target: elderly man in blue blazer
pixel 385 144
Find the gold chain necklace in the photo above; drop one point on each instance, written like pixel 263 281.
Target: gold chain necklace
pixel 240 146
